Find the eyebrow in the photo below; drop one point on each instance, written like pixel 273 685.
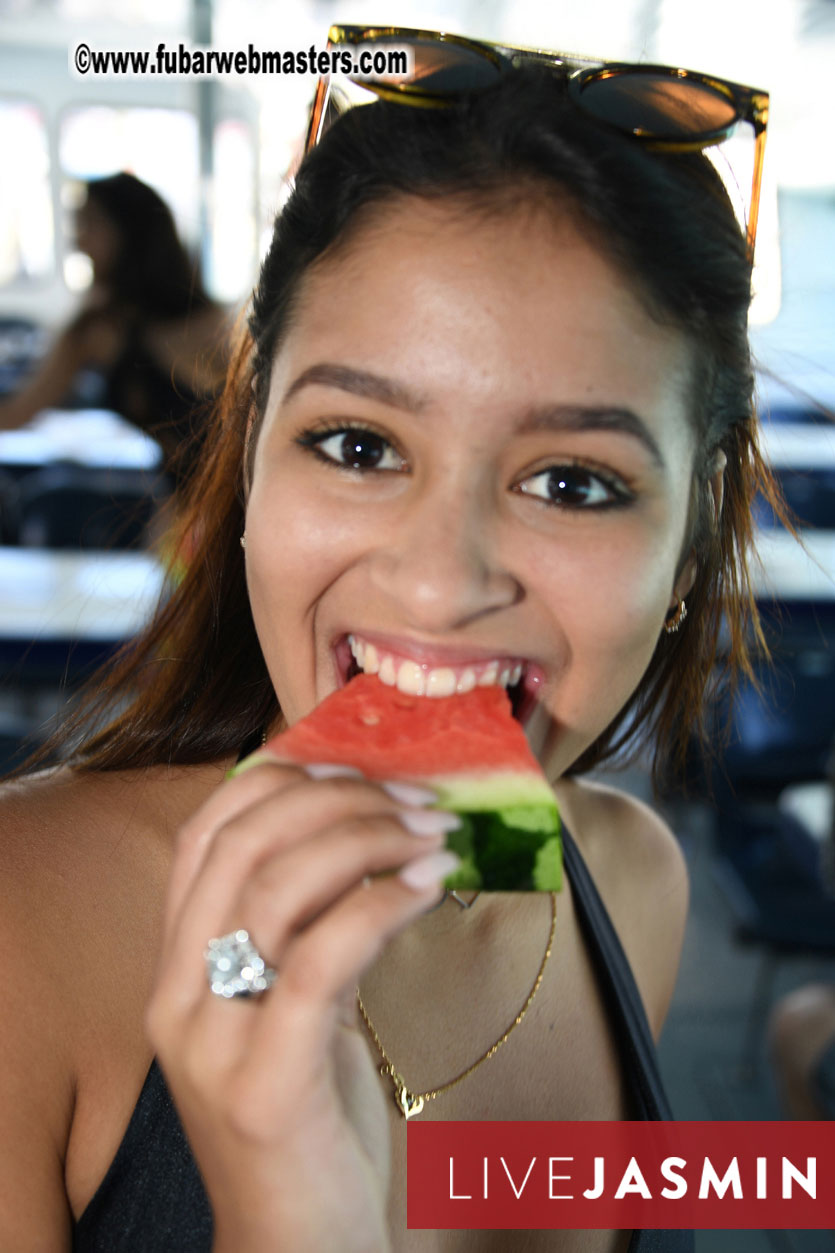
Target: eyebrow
pixel 593 418
pixel 359 383
pixel 388 391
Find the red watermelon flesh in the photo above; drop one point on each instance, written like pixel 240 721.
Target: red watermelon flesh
pixel 470 749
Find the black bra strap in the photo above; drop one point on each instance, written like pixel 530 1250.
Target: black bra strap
pixel 619 988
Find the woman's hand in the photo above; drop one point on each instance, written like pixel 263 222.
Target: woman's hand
pixel 279 1094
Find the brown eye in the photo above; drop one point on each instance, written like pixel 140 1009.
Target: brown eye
pixel 574 487
pixel 356 449
pixel 361 450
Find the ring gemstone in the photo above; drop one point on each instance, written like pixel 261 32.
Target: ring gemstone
pixel 234 967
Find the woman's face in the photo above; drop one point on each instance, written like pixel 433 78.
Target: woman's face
pixel 99 237
pixel 475 455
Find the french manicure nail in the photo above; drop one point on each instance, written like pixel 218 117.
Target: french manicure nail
pixel 332 770
pixel 426 871
pixel 429 821
pixel 409 793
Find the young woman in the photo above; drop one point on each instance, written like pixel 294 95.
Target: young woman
pixel 147 328
pixel 494 410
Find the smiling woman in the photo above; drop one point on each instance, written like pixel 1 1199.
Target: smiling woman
pixel 494 461
pixel 490 424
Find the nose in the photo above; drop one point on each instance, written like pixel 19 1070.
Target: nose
pixel 440 563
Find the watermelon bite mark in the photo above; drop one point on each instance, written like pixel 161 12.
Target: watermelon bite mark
pixel 470 749
pixel 522 695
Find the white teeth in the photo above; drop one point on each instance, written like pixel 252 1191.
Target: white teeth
pixel 420 680
pixel 358 651
pixel 441 682
pixel 410 678
pixel 387 672
pixel 467 681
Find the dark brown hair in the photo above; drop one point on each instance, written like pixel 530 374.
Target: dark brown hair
pixel 153 272
pixel 197 675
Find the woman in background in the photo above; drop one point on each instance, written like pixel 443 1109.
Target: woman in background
pixel 147 328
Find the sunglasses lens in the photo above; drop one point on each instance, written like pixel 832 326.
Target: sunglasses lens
pixel 655 105
pixel 443 67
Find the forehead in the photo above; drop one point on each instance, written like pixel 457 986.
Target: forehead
pixel 496 308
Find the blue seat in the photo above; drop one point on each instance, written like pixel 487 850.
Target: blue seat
pixel 810 495
pixel 18 739
pixel 768 863
pixel 782 733
pixel 8 509
pixel 22 344
pixel 64 506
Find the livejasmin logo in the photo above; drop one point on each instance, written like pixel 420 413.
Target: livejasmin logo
pixel 758 1177
pixel 596 1175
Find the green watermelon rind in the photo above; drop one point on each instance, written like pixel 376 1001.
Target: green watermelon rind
pixel 547 871
pixel 498 856
pixel 498 790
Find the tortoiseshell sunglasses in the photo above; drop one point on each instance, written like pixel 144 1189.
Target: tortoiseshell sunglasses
pixel 668 109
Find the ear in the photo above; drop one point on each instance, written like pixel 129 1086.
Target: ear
pixel 716 487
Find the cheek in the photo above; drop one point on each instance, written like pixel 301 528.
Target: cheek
pixel 611 599
pixel 297 546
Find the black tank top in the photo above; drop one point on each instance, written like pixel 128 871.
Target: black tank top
pixel 152 1199
pixel 144 391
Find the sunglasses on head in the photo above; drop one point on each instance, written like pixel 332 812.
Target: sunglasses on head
pixel 667 109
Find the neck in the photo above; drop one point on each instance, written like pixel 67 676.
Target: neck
pixel 454 976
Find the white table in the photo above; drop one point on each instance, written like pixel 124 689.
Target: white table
pixel 77 597
pixel 95 438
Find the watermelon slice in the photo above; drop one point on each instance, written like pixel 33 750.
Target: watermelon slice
pixel 470 749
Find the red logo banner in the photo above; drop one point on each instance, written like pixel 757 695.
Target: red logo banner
pixel 600 1175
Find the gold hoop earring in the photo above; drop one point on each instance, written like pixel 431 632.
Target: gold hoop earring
pixel 243 540
pixel 671 625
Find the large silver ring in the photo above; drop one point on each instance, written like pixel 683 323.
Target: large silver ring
pixel 234 967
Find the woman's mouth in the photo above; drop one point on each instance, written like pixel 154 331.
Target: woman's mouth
pixel 522 679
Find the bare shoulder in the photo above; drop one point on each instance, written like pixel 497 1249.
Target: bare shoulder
pixel 50 878
pixel 640 872
pixel 77 851
pixel 57 824
pixel 197 345
pixel 83 866
pixel 77 846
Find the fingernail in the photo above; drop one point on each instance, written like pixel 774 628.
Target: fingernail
pixel 429 821
pixel 258 758
pixel 332 770
pixel 409 793
pixel 428 871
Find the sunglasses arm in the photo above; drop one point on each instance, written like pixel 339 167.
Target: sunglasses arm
pixel 317 113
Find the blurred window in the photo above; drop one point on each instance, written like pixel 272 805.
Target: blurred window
pixel 27 234
pixel 234 229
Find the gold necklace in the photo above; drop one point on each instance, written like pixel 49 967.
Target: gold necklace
pixel 410 1103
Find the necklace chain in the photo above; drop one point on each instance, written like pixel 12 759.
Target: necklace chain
pixel 411 1103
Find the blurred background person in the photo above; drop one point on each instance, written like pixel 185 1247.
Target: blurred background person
pixel 802 1026
pixel 803 1049
pixel 149 342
